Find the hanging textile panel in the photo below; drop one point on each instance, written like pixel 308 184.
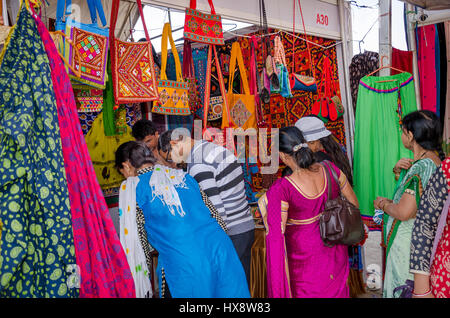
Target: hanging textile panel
pixel 102 262
pixel 37 251
pixel 282 112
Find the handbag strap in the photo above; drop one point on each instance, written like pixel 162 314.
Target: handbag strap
pixel 188 61
pixel 167 35
pixel 193 6
pixel 440 228
pixel 236 55
pixel 306 40
pixel 208 86
pixel 95 6
pixel 328 168
pixel 113 20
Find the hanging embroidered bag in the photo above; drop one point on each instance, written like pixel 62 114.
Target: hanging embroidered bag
pixel 90 42
pixel 202 27
pixel 133 71
pixel 220 135
pixel 189 77
pixel 301 82
pixel 281 66
pixel 242 108
pixel 173 95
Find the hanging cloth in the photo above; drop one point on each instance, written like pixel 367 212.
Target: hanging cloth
pixel 382 101
pixel 426 59
pixel 103 269
pixel 446 136
pixel 37 244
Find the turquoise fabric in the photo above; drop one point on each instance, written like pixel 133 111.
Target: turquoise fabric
pixel 198 257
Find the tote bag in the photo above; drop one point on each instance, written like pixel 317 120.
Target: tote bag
pixel 241 112
pixel 202 27
pixel 173 95
pixel 90 42
pixel 133 72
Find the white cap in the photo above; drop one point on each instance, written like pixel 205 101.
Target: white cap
pixel 312 128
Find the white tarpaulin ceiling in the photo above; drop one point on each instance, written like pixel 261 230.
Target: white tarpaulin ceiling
pixel 321 16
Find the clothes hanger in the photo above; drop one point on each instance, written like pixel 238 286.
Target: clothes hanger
pixel 77 54
pixel 383 67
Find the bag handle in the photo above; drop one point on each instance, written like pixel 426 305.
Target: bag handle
pixel 208 87
pixel 236 54
pixel 113 20
pixel 193 6
pixel 95 6
pixel 188 61
pixel 306 40
pixel 167 35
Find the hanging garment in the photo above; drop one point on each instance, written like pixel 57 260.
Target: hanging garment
pixel 102 149
pixel 402 60
pixel 102 263
pixel 37 247
pixel 426 59
pixel 129 238
pixel 442 78
pixel 361 65
pixel 378 144
pixel 446 136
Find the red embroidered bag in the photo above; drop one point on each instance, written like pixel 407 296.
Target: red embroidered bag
pixel 202 27
pixel 133 72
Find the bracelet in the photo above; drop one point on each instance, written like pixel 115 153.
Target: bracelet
pixel 422 295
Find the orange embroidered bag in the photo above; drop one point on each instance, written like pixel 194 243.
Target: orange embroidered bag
pixel 173 95
pixel 132 67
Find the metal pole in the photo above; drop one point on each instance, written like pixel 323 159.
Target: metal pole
pixel 413 47
pixel 349 116
pixel 385 38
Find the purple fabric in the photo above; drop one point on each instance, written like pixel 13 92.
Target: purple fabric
pixel 440 228
pixel 314 270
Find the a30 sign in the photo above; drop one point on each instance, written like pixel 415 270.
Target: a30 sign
pixel 322 19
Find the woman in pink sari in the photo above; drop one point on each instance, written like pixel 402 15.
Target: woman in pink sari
pixel 298 262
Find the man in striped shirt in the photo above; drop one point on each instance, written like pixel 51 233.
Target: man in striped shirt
pixel 220 176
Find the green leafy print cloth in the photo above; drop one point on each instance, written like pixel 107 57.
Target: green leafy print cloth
pixel 37 251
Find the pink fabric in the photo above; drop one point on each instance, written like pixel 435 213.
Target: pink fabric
pixel 103 266
pixel 314 269
pixel 426 59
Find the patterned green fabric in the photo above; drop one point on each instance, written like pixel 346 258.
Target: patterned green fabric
pixel 36 247
pixel 398 245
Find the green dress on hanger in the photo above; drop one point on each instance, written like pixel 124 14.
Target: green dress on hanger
pixel 378 145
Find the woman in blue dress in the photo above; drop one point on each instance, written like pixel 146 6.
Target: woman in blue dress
pixel 197 256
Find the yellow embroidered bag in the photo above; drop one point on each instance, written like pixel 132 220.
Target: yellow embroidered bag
pixel 241 106
pixel 173 95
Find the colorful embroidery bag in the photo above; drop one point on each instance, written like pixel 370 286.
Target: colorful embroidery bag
pixel 173 95
pixel 189 77
pixel 202 27
pixel 242 109
pixel 133 71
pixel 220 137
pixel 297 81
pixel 90 41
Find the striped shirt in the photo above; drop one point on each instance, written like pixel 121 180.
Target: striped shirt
pixel 221 177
